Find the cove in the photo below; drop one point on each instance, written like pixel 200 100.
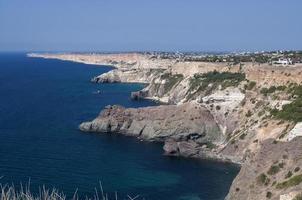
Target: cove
pixel 43 102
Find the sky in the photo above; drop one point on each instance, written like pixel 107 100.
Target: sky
pixel 150 25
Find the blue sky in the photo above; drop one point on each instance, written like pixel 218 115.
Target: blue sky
pixel 134 25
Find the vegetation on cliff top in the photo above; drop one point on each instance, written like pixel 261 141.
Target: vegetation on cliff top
pixel 272 89
pixel 211 80
pixel 292 111
pixel 154 71
pixel 293 181
pixel 259 57
pixel 250 85
pixel 171 80
pixel 274 169
pixel 262 179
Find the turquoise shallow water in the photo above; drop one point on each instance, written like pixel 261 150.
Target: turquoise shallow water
pixel 42 103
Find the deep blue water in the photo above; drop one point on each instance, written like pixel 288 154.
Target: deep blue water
pixel 42 102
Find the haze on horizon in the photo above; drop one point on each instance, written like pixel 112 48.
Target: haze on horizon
pixel 137 25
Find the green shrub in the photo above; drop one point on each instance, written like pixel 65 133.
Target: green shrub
pixel 263 179
pixel 281 88
pixel 272 89
pixel 293 181
pixel 296 169
pixel 250 85
pixel 266 91
pixel 289 174
pixel 171 80
pixel 269 195
pixel 248 114
pixel 210 145
pixel 281 165
pixel 292 111
pixel 261 58
pixel 242 136
pixel 274 169
pixel 226 79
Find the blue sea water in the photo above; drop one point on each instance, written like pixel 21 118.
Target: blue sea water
pixel 42 102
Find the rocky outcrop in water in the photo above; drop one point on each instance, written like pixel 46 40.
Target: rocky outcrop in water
pixel 189 122
pixel 139 95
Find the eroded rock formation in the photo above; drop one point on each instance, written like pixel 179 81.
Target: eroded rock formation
pixel 189 122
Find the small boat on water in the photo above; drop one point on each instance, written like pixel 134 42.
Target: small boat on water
pixel 97 92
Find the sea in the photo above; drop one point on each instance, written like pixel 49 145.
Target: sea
pixel 42 103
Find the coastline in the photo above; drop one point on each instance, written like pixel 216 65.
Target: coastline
pixel 52 56
pixel 249 139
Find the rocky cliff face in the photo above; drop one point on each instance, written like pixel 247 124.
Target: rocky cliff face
pixel 189 122
pixel 128 76
pixel 273 172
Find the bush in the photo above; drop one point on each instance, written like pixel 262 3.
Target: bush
pixel 210 145
pixel 292 111
pixel 218 107
pixel 171 80
pixel 272 89
pixel 274 169
pixel 226 79
pixel 242 136
pixel 281 165
pixel 293 181
pixel 263 179
pixel 289 174
pixel 266 91
pixel 269 195
pixel 248 114
pixel 296 169
pixel 250 85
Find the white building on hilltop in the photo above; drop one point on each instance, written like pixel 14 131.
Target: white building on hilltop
pixel 283 61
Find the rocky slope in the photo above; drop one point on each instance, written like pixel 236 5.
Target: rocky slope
pixel 273 172
pixel 244 113
pixel 190 123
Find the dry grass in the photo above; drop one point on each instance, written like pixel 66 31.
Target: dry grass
pixel 9 192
